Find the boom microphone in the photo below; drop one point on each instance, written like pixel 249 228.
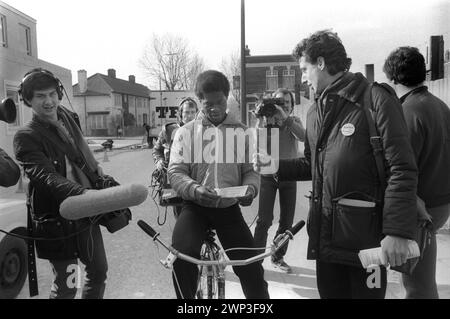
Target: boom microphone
pixel 96 202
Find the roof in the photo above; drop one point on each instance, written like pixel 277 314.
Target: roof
pixel 269 58
pixel 126 87
pixel 76 92
pixel 116 85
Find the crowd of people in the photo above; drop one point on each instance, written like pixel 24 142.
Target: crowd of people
pixel 385 146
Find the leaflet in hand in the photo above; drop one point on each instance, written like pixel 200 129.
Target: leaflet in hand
pixel 372 256
pixel 232 192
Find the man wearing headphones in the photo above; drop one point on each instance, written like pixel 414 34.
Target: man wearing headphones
pixel 187 110
pixel 290 132
pixel 186 113
pixel 50 148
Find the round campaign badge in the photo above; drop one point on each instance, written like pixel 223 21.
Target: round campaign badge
pixel 348 129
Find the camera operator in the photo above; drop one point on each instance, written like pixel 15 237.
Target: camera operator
pixel 291 131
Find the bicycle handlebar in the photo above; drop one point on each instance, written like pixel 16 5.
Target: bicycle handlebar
pixel 279 242
pixel 147 229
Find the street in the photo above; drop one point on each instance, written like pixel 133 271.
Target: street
pixel 133 259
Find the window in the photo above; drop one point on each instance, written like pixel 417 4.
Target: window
pixel 139 103
pixel 131 102
pixel 117 100
pixel 3 35
pixel 26 39
pixel 98 121
pixel 271 80
pixel 289 79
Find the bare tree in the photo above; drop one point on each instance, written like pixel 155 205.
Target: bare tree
pixel 168 60
pixel 231 67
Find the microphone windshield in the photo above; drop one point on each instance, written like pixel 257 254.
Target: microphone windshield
pixel 95 202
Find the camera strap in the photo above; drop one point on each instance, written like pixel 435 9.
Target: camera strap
pixel 375 138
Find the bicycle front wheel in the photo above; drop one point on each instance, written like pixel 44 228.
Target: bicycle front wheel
pixel 208 276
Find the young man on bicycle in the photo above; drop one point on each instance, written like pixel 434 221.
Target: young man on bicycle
pixel 195 180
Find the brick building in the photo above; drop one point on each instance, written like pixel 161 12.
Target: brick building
pixel 266 73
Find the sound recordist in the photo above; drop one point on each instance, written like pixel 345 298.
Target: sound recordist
pixel 57 160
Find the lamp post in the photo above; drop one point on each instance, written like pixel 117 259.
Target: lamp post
pixel 243 74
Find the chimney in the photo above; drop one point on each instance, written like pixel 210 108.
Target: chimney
pixel 82 81
pixel 132 79
pixel 112 73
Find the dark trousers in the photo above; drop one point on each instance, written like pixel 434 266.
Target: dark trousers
pixel 336 281
pixel 422 283
pixel 91 253
pixel 268 192
pixel 232 231
pixel 176 211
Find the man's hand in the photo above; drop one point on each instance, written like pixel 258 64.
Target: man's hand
pixel 248 198
pixel 206 195
pixel 280 115
pixel 422 210
pixel 394 251
pixel 264 164
pixel 100 171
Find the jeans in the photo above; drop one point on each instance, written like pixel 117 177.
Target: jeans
pixel 92 254
pixel 337 281
pixel 288 196
pixel 232 231
pixel 422 283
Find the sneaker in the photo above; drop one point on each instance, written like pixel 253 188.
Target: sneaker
pixel 280 263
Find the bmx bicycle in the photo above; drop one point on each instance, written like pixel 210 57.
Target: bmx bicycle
pixel 213 259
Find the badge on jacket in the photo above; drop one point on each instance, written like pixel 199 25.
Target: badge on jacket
pixel 348 129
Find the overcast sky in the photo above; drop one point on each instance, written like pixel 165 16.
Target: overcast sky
pixel 99 34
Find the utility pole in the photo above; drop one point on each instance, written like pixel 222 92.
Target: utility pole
pixel 243 75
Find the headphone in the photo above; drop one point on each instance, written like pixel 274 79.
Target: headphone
pixel 184 100
pixel 30 76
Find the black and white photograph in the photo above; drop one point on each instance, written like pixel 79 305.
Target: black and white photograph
pixel 249 151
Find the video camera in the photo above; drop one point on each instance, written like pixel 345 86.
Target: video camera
pixel 267 106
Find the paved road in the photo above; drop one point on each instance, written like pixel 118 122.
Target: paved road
pixel 135 272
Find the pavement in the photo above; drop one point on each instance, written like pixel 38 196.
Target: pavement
pixel 118 143
pixel 301 283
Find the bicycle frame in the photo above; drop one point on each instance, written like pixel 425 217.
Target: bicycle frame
pixel 222 261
